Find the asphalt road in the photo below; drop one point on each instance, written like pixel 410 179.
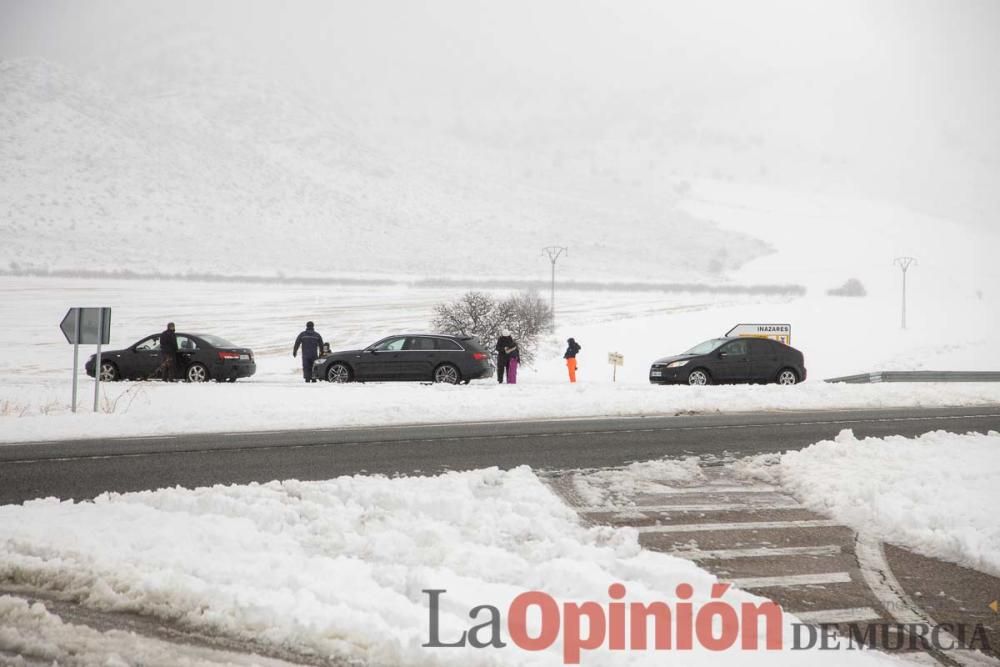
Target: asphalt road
pixel 85 468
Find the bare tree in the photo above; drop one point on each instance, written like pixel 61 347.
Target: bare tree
pixel 525 315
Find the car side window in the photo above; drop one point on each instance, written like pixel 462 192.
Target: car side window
pixel 393 344
pixel 185 343
pixel 446 344
pixel 419 343
pixel 151 344
pixel 761 348
pixel 738 348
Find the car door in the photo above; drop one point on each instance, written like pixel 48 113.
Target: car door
pixel 382 360
pixel 142 358
pixel 419 358
pixel 732 362
pixel 764 360
pixel 188 351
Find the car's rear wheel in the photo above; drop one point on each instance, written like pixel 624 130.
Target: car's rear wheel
pixel 787 376
pixel 447 373
pixel 196 373
pixel 699 377
pixel 338 372
pixel 109 372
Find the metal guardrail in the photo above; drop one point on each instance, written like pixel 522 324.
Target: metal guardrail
pixel 919 376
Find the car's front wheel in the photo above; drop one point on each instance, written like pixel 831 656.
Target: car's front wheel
pixel 109 372
pixel 196 373
pixel 699 377
pixel 447 373
pixel 788 377
pixel 338 372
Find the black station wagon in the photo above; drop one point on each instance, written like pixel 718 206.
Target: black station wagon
pixel 414 357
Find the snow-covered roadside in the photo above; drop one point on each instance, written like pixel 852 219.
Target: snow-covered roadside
pixel 935 494
pixel 30 634
pixel 33 412
pixel 339 567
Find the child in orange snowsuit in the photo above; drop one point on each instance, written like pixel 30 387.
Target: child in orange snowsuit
pixel 572 347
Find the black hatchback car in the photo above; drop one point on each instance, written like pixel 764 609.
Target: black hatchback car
pixel 421 357
pixel 200 357
pixel 731 360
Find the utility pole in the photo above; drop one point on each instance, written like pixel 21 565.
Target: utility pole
pixel 554 252
pixel 904 264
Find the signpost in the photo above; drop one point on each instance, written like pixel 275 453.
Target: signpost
pixel 87 326
pixel 779 332
pixel 616 359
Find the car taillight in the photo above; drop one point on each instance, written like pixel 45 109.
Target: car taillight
pixel 228 355
pixel 478 356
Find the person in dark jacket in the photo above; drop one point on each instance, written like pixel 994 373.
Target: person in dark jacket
pixel 572 348
pixel 168 353
pixel 504 343
pixel 312 346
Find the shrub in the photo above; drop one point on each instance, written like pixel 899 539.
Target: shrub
pixel 478 314
pixel 852 287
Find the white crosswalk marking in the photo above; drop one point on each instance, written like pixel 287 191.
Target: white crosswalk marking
pixel 761 552
pixel 793 580
pixel 751 488
pixel 704 507
pixel 856 615
pixel 742 525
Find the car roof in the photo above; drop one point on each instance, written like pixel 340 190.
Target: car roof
pixel 429 335
pixel 777 342
pixel 183 333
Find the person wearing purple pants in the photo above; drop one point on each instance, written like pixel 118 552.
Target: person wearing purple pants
pixel 513 360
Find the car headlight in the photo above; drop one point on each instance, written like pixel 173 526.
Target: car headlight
pixel 677 364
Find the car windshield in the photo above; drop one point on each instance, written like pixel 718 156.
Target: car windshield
pixel 706 347
pixel 215 341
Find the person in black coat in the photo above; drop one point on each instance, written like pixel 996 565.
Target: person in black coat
pixel 312 346
pixel 168 353
pixel 504 343
pixel 572 349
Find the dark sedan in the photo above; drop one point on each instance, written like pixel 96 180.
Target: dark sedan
pixel 200 357
pixel 426 357
pixel 731 360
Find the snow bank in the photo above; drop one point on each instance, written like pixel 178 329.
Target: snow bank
pixel 615 487
pixel 41 412
pixel 934 494
pixel 337 568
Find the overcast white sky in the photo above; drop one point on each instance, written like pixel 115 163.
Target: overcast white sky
pixel 873 78
pixel 594 43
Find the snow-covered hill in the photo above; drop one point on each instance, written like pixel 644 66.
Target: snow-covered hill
pixel 235 175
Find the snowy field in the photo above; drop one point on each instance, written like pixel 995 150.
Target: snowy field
pixel 36 366
pixel 338 568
